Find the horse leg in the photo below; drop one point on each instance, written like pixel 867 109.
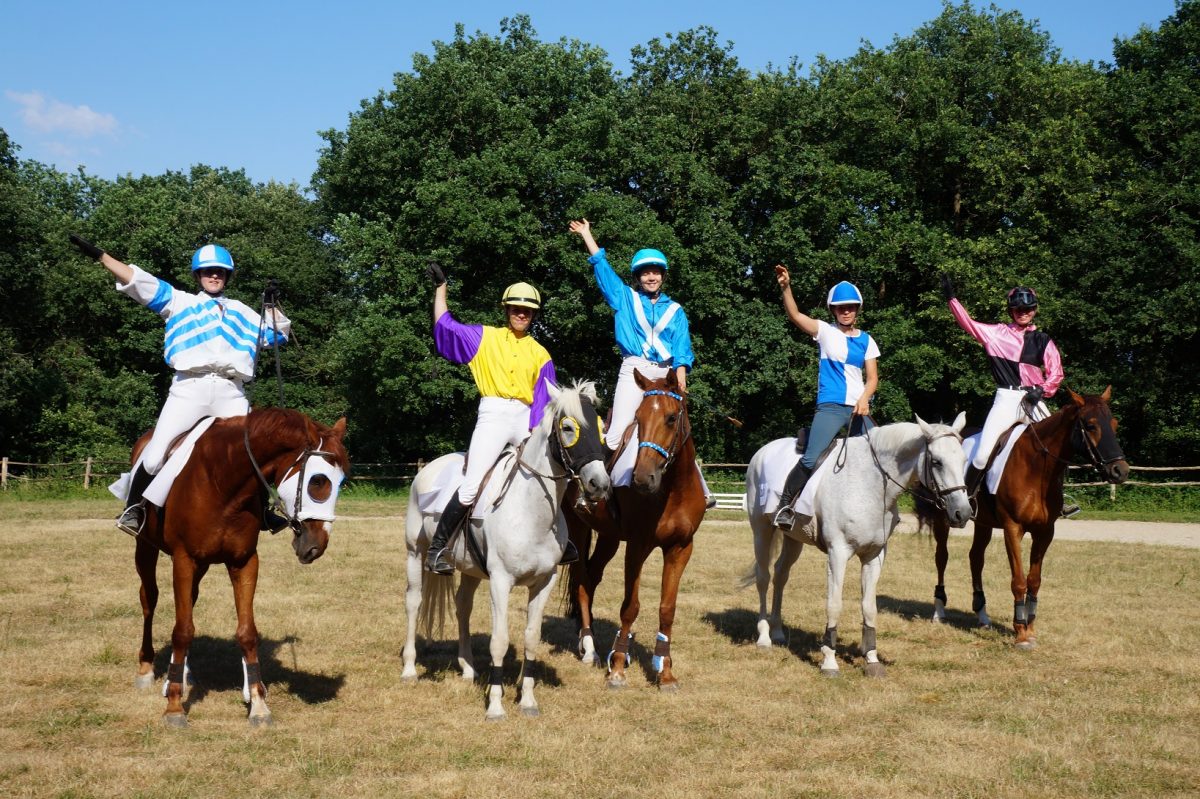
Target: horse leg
pixel 835 575
pixel 534 613
pixel 941 556
pixel 183 580
pixel 593 573
pixel 464 603
pixel 145 559
pixel 871 570
pixel 635 557
pixel 501 587
pixel 979 545
pixel 788 554
pixel 1042 536
pixel 415 571
pixel 1013 533
pixel 254 691
pixel 675 559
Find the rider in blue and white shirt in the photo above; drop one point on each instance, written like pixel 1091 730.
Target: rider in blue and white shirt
pixel 211 341
pixel 651 328
pixel 846 380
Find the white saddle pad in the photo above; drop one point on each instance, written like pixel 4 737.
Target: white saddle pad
pixel 448 480
pixel 160 486
pixel 778 459
pixel 971 443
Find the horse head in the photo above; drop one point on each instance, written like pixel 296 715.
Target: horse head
pixel 1095 435
pixel 943 468
pixel 309 473
pixel 575 442
pixel 663 429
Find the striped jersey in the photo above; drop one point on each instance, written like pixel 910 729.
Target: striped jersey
pixel 1018 357
pixel 502 364
pixel 843 358
pixel 203 333
pixel 657 331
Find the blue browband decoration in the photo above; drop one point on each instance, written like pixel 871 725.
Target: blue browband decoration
pixel 656 448
pixel 658 393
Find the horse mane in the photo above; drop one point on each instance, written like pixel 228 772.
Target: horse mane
pixel 570 401
pixel 293 429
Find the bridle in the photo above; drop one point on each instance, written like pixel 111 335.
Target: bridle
pixel 1081 442
pixel 682 431
pixel 928 478
pixel 560 454
pixel 274 501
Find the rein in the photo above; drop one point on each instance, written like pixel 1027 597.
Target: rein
pixel 274 501
pixel 929 481
pixel 1099 461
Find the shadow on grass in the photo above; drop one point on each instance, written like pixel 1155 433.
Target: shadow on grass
pixel 440 657
pixel 916 610
pixel 216 664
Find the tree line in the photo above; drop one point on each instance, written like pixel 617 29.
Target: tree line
pixel 970 148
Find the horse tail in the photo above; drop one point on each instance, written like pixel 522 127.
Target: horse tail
pixel 437 595
pixel 750 577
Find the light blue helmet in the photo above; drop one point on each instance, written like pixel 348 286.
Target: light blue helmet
pixel 644 258
pixel 212 255
pixel 844 293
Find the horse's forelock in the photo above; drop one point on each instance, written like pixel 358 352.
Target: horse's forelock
pixel 295 429
pixel 570 401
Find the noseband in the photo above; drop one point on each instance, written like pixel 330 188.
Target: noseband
pixel 1099 461
pixel 681 435
pixel 273 499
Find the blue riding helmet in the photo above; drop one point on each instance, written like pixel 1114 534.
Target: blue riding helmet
pixel 212 255
pixel 844 293
pixel 648 257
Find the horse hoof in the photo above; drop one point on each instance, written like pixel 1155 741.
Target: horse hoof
pixel 876 670
pixel 763 644
pixel 831 673
pixel 177 720
pixel 589 659
pixel 616 683
pixel 530 712
pixel 494 717
pixel 668 688
pixel 408 679
pixel 261 721
pixel 1027 646
pixel 143 682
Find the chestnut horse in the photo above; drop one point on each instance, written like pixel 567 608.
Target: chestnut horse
pixel 662 510
pixel 1029 497
pixel 213 514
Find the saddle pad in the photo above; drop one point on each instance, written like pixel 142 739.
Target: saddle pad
pixel 778 459
pixel 160 486
pixel 971 443
pixel 448 480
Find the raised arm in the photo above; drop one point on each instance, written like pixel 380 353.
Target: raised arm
pixel 583 229
pixel 435 273
pixel 122 272
pixel 799 319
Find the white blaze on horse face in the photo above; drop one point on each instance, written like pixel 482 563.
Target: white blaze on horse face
pixel 318 500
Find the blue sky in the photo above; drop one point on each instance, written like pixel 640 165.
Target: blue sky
pixel 146 87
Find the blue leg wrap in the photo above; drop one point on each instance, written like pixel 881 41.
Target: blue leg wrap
pixel 662 650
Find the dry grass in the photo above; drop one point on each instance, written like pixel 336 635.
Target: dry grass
pixel 1107 706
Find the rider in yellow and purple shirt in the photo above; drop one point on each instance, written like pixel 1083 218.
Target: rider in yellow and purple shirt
pixel 510 370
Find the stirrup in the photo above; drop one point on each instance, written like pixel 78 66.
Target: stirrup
pixel 710 502
pixel 131 519
pixel 274 523
pixel 1070 510
pixel 785 518
pixel 435 561
pixel 570 554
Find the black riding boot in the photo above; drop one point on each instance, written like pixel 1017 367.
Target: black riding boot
pixel 973 479
pixel 436 559
pixel 570 554
pixel 797 478
pixel 131 519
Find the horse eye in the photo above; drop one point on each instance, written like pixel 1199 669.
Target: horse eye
pixel 672 418
pixel 320 488
pixel 937 463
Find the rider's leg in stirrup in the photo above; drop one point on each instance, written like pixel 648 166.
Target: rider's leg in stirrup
pixel 134 516
pixel 437 558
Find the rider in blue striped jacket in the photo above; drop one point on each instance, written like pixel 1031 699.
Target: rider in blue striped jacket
pixel 211 341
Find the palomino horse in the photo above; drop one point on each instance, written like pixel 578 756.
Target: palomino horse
pixel 855 514
pixel 662 509
pixel 523 534
pixel 213 514
pixel 1029 497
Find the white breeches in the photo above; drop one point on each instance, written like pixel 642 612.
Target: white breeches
pixel 191 398
pixel 628 396
pixel 1008 408
pixel 500 422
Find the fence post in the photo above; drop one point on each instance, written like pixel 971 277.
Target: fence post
pixel 1112 491
pixel 87 474
pixel 4 474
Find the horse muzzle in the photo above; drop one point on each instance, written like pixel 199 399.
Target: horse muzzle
pixel 594 480
pixel 310 540
pixel 1116 472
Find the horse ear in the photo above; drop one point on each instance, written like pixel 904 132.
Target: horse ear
pixel 643 384
pixel 588 389
pixel 339 428
pixel 672 379
pixel 960 422
pixel 1076 398
pixel 1107 395
pixel 925 429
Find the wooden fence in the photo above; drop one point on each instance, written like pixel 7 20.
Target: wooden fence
pixel 92 472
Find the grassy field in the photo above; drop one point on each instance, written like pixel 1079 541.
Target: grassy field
pixel 1106 706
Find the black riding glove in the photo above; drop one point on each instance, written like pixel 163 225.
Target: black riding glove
pixel 272 293
pixel 948 288
pixel 435 273
pixel 86 247
pixel 1034 395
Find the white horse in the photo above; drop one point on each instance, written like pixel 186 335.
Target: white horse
pixel 524 536
pixel 855 514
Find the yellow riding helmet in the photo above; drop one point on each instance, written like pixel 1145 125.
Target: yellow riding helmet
pixel 522 294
